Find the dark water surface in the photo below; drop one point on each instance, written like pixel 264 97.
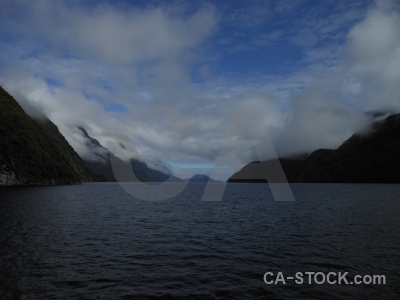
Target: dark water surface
pixel 97 242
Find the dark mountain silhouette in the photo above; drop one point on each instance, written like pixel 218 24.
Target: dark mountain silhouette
pixel 258 171
pixel 200 178
pixel 33 151
pixel 370 156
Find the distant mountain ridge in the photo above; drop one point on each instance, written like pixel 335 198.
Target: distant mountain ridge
pixel 33 151
pixel 200 178
pixel 371 156
pixel 100 163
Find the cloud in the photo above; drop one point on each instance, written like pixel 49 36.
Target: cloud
pixel 77 62
pixel 318 120
pixel 250 15
pixel 364 78
pixel 373 58
pixel 109 33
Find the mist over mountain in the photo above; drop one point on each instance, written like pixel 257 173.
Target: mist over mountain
pixel 190 89
pixel 32 151
pixel 369 156
pixel 99 159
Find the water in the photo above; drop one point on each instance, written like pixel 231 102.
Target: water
pixel 97 242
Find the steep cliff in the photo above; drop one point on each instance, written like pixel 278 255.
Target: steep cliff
pixel 34 151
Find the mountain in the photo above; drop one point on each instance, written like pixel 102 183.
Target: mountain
pixel 259 171
pixel 100 163
pixel 369 156
pixel 33 151
pixel 200 178
pixel 142 170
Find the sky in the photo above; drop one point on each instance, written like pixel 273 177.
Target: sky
pixel 203 85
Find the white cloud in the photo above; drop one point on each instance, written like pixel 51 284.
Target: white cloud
pixel 365 77
pixel 144 58
pixel 373 58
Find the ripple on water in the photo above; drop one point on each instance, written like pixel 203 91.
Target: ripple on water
pixel 96 242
